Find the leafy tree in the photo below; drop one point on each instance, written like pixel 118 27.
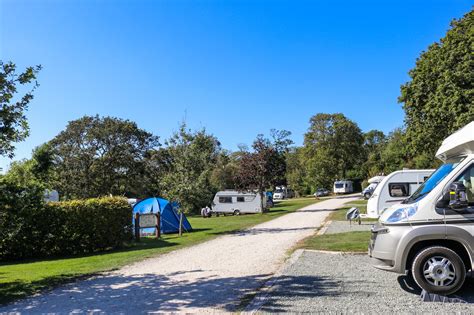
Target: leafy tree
pixel 97 156
pixel 374 143
pixel 192 157
pixel 439 98
pixel 13 123
pixel 224 172
pixel 332 147
pixel 296 171
pixel 265 167
pixel 394 154
pixel 36 171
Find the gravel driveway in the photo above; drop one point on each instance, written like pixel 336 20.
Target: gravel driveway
pixel 341 283
pixel 210 277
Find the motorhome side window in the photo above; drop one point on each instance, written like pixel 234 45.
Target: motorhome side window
pixel 225 199
pixel 467 179
pixel 399 189
pixel 240 199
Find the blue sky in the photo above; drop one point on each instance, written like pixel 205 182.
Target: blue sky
pixel 238 68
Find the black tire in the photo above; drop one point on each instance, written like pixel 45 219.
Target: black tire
pixel 439 270
pixel 367 195
pixel 236 212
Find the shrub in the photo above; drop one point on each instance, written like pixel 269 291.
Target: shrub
pixel 31 228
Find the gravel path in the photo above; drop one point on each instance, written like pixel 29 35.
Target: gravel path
pixel 210 277
pixel 344 226
pixel 339 283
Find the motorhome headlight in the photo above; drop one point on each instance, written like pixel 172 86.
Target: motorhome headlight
pixel 403 213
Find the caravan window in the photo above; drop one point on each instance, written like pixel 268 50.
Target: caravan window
pixel 399 189
pixel 225 199
pixel 339 185
pixel 240 199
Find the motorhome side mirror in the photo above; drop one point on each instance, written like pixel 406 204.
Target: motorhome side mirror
pixel 457 196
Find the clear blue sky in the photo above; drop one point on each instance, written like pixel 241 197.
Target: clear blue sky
pixel 238 68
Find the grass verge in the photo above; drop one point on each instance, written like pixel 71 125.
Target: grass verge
pixel 23 278
pixel 357 241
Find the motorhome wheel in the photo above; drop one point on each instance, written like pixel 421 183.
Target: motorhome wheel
pixel 236 212
pixel 367 195
pixel 439 270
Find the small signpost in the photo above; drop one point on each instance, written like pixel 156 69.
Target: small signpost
pixel 147 220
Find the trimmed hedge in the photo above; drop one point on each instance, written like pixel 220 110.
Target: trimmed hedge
pixel 30 228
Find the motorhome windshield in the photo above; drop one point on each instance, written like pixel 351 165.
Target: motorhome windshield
pixel 432 182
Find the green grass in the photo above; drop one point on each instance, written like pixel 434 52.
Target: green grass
pixel 340 214
pixel 357 241
pixel 20 279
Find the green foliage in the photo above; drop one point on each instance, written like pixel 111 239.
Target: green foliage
pixel 265 167
pixel 192 157
pixel 332 147
pixel 296 171
pixel 439 98
pixel 13 123
pixel 100 156
pixel 37 170
pixel 224 173
pixel 31 228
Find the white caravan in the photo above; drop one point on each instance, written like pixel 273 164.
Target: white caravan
pixel 231 201
pixel 343 187
pixel 431 234
pixel 395 188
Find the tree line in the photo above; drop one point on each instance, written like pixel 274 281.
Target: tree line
pixel 99 156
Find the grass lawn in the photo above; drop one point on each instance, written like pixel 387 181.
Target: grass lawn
pixel 340 215
pixel 356 241
pixel 19 279
pixel 346 242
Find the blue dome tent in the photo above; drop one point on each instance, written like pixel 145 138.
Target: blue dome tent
pixel 169 216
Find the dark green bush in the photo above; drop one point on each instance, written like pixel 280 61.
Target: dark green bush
pixel 30 228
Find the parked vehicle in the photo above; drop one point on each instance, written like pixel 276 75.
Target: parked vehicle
pixel 373 183
pixel 321 192
pixel 343 187
pixel 231 201
pixel 431 234
pixel 282 192
pixel 395 188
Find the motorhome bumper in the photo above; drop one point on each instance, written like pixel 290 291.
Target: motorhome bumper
pixel 382 247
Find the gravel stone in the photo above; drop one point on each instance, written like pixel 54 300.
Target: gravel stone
pixel 344 283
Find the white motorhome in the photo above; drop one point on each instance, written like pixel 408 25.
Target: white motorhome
pixel 343 187
pixel 394 188
pixel 373 183
pixel 431 234
pixel 283 192
pixel 235 202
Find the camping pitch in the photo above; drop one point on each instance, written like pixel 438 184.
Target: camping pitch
pixel 169 216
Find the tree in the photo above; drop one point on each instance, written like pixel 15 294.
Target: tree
pixel 439 98
pixel 36 171
pixel 224 172
pixel 374 143
pixel 296 171
pixel 192 157
pixel 13 122
pixel 97 156
pixel 332 147
pixel 265 167
pixel 394 154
